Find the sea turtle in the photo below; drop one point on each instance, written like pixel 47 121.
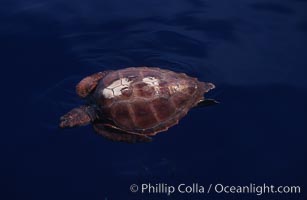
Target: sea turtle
pixel 132 104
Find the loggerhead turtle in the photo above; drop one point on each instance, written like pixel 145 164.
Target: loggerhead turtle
pixel 132 104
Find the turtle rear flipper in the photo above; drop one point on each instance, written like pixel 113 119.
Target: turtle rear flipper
pixel 117 135
pixel 206 102
pixel 89 83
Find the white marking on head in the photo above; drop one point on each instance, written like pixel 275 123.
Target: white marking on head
pixel 180 86
pixel 115 84
pixel 115 89
pixel 107 93
pixel 152 81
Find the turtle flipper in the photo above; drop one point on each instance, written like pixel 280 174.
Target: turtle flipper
pixel 117 135
pixel 89 83
pixel 80 116
pixel 206 102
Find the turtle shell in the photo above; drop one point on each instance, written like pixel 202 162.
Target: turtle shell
pixel 147 100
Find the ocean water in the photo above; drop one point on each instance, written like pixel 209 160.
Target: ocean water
pixel 254 51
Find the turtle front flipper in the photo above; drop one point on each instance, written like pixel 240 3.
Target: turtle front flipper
pixel 89 83
pixel 119 136
pixel 80 116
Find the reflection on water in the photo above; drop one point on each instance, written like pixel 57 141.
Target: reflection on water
pixel 273 7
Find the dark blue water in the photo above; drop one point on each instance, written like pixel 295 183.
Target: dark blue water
pixel 254 51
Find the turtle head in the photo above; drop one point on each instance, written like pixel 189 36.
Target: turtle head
pixel 80 116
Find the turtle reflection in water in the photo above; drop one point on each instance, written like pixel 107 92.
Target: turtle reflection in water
pixel 132 104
